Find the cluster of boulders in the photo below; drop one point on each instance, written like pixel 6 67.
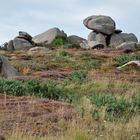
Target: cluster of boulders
pixel 21 42
pixel 25 41
pixel 104 34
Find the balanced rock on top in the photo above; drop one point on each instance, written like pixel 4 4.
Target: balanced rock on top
pixel 100 23
pixel 105 34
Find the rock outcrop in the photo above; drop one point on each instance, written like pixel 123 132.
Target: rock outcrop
pixel 39 49
pixel 96 40
pixel 136 63
pixel 6 70
pixel 84 45
pixel 73 39
pixel 48 36
pixel 118 39
pixel 105 34
pixel 22 42
pixel 128 46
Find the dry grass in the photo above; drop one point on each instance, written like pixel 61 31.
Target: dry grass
pixel 88 129
pixel 102 77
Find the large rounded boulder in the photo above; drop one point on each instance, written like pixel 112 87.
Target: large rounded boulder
pixel 48 36
pixel 100 23
pixel 118 39
pixel 6 70
pixel 21 44
pixel 96 40
pixel 75 39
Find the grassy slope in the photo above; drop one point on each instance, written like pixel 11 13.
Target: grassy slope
pixel 107 100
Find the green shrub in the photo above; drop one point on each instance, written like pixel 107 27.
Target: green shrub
pixel 59 40
pixel 12 87
pixel 87 56
pixel 34 87
pixel 78 76
pixel 62 53
pixel 90 64
pixel 115 107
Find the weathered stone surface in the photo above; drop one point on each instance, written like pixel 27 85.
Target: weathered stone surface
pixel 25 35
pixel 21 44
pixel 48 36
pixel 75 39
pixel 100 23
pixel 96 40
pixel 131 46
pixel 136 63
pixel 138 45
pixel 10 45
pixel 129 37
pixel 6 69
pixel 84 45
pixel 39 49
pixel 117 39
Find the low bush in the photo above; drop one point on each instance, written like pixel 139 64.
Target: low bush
pixel 12 87
pixel 88 56
pixel 90 64
pixel 78 76
pixel 47 89
pixel 115 107
pixel 59 40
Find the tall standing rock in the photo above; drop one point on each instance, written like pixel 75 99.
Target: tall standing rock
pixel 48 36
pixel 100 23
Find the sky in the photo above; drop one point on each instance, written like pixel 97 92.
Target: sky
pixel 37 16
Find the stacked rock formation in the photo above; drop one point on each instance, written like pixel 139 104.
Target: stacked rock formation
pixel 24 41
pixel 104 33
pixel 21 42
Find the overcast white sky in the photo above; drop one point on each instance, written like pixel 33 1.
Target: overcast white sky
pixel 36 16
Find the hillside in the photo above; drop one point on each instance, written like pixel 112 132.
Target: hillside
pixel 59 87
pixel 95 93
